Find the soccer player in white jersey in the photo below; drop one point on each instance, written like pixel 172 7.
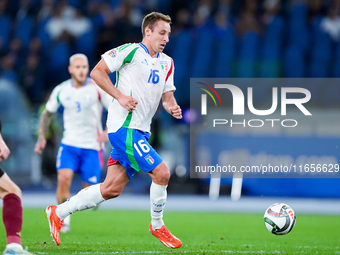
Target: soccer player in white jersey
pixel 80 150
pixel 144 77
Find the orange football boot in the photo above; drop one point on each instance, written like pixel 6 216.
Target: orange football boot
pixel 166 238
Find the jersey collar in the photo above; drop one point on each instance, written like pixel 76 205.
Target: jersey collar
pixel 86 82
pixel 146 49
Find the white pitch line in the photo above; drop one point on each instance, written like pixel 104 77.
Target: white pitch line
pixel 188 252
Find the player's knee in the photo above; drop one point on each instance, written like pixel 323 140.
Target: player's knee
pixel 165 178
pixel 11 189
pixel 64 182
pixel 17 191
pixel 162 177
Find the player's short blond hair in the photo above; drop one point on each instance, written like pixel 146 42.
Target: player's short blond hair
pixel 151 19
pixel 78 55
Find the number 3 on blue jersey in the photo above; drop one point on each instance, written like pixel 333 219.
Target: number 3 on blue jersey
pixel 154 75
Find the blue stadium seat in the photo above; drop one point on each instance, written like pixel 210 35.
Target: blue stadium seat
pixel 58 61
pixel 294 63
pixel 248 53
pixel 320 55
pixel 163 6
pixel 5 26
pixel 249 46
pixel 225 55
pixel 181 51
pixel 86 44
pixel 75 3
pixel 272 43
pixel 298 31
pixel 24 31
pixel 298 35
pixel 316 26
pixel 299 9
pixel 114 3
pixel 203 53
pixel 43 35
pixel 271 49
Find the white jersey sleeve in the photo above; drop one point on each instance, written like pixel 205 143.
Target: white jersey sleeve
pixel 53 102
pixel 115 58
pixel 169 80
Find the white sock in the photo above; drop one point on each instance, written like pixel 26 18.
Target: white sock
pixel 67 221
pixel 14 246
pixel 157 200
pixel 85 199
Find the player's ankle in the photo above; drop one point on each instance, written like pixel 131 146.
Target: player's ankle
pixel 13 246
pixel 157 223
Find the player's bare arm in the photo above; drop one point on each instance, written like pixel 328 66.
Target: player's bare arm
pixel 102 137
pixel 44 123
pixel 100 75
pixel 4 151
pixel 170 105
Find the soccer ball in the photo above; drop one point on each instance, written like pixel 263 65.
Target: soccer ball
pixel 279 219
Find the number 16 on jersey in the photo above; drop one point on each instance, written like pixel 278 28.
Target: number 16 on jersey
pixel 154 76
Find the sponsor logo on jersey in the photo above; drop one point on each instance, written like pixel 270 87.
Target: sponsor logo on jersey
pixel 145 62
pixel 113 53
pixel 149 159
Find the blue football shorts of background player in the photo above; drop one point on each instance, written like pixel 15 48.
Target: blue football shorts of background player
pixel 87 163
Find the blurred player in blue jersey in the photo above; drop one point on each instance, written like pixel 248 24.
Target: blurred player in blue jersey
pixel 10 193
pixel 144 77
pixel 80 150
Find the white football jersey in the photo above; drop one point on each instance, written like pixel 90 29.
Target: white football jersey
pixel 83 109
pixel 142 77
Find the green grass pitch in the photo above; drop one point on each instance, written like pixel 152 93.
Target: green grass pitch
pixel 126 232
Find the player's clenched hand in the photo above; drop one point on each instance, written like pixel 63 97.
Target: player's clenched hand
pixel 176 112
pixel 129 103
pixel 40 145
pixel 4 151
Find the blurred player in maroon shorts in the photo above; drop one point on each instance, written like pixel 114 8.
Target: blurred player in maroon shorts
pixel 12 209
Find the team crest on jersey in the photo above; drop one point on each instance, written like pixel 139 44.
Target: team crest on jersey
pixel 149 159
pixel 87 98
pixel 113 53
pixel 164 65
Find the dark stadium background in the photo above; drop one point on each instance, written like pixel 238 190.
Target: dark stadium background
pixel 221 38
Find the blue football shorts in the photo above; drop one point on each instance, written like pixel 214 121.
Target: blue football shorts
pixel 87 163
pixel 132 149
